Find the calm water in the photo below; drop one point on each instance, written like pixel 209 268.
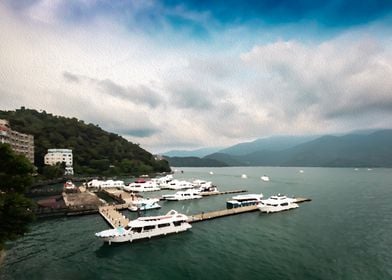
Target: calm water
pixel 344 233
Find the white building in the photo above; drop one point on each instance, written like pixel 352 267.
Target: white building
pixel 55 156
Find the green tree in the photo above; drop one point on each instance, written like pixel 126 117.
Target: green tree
pixel 15 208
pixel 53 171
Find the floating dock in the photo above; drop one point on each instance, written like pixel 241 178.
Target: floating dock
pixel 229 212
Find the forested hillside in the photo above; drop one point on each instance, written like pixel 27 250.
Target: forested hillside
pixel 95 151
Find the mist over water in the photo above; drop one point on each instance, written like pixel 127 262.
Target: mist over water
pixel 343 233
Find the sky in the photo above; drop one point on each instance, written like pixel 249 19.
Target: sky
pixel 191 74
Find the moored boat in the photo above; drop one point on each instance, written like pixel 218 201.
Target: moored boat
pixel 265 178
pixel 244 200
pixel 183 195
pixel 144 204
pixel 147 227
pixel 69 185
pixel 142 186
pixel 277 203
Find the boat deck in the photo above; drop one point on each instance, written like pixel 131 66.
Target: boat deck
pixel 229 212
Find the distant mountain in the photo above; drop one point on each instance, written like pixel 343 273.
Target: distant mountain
pixel 275 143
pixel 193 162
pixel 192 153
pixel 351 150
pixel 228 160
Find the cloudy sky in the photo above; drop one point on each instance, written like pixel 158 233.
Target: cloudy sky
pixel 190 74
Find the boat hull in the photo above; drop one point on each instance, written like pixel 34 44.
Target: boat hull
pixel 182 198
pixel 144 207
pixel 129 236
pixel 274 209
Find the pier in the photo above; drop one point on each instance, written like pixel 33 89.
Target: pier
pixel 229 212
pixel 113 216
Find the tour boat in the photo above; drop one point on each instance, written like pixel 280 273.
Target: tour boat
pixel 277 203
pixel 142 186
pixel 265 178
pixel 183 195
pixel 147 227
pixel 105 184
pixel 244 200
pixel 178 185
pixel 144 204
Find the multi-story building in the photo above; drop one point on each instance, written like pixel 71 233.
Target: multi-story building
pixel 20 143
pixel 60 155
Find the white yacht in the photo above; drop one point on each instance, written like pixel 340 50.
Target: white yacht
pixel 277 203
pixel 147 227
pixel 142 186
pixel 105 184
pixel 162 181
pixel 183 195
pixel 244 176
pixel 265 178
pixel 144 204
pixel 204 186
pixel 244 200
pixel 178 185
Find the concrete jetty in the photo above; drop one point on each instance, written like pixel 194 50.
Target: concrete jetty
pixel 229 212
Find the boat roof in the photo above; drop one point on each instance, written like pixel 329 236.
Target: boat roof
pixel 247 196
pixel 172 215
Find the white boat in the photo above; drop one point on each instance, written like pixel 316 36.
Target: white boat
pixel 162 181
pixel 144 204
pixel 178 185
pixel 142 186
pixel 207 189
pixel 243 176
pixel 105 184
pixel 244 200
pixel 147 227
pixel 183 195
pixel 301 171
pixel 277 203
pixel 265 178
pixel 69 185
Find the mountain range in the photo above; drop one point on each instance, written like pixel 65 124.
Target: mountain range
pixel 356 149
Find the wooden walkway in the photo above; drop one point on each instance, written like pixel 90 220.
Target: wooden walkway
pixel 229 212
pixel 113 217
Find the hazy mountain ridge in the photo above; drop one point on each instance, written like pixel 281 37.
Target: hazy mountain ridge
pixel 274 143
pixel 350 150
pixel 192 153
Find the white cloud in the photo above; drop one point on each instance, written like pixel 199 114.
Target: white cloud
pixel 195 93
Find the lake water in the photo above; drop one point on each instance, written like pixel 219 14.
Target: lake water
pixel 345 232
